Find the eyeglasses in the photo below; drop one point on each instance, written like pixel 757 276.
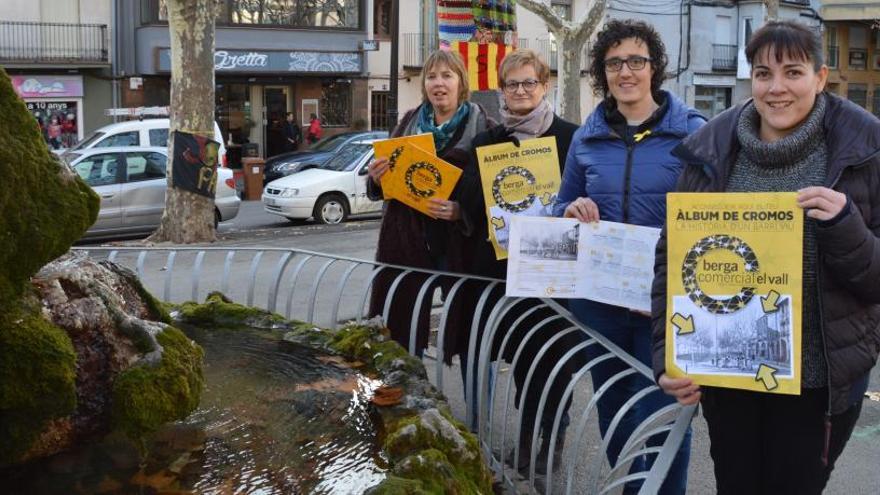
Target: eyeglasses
pixel 635 62
pixel 528 85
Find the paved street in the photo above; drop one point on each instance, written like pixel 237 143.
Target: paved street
pixel 856 471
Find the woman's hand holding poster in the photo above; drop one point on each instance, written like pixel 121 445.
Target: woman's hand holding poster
pixel 415 174
pixel 734 278
pixel 517 181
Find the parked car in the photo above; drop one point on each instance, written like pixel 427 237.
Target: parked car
pixel 294 161
pixel 328 193
pixel 147 132
pixel 131 183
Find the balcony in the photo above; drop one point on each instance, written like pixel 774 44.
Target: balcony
pixel 548 50
pixel 48 42
pixel 415 48
pixel 724 57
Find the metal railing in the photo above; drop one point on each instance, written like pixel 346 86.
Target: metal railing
pixel 724 57
pixel 415 48
pixel 53 42
pixel 330 290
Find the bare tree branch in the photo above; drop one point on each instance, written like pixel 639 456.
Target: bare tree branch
pixel 570 38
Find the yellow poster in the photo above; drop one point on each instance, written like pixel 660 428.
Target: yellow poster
pixel 393 148
pixel 418 176
pixel 517 181
pixel 733 307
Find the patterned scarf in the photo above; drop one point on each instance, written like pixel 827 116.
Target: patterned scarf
pixel 529 126
pixel 444 132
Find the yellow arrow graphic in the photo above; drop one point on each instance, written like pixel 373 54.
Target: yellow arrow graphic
pixel 770 302
pixel 685 325
pixel 767 374
pixel 546 199
pixel 498 223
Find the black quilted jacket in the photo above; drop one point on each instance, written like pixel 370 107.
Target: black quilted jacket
pixel 849 247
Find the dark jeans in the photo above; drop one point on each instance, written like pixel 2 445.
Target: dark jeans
pixel 632 333
pixel 773 444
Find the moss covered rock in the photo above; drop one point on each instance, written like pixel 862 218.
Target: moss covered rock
pixel 37 380
pixel 146 397
pixel 218 310
pixel 47 206
pixel 85 355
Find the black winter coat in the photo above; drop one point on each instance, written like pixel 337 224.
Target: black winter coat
pixel 849 245
pixel 474 205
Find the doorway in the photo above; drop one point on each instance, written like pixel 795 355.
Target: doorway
pixel 275 107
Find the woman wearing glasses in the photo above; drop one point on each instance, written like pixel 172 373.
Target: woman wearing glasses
pixel 619 169
pixel 525 114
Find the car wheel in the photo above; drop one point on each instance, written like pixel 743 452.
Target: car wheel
pixel 216 218
pixel 331 209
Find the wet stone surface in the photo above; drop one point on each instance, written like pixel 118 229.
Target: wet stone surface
pixel 274 418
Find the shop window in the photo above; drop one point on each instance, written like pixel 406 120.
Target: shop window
pixel 336 104
pixel 233 110
pixel 858 94
pixel 382 19
pixel 711 100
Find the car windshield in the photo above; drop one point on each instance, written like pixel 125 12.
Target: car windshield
pixel 85 143
pixel 330 143
pixel 347 158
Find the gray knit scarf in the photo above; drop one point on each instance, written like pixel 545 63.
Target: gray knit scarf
pixel 534 124
pixel 791 163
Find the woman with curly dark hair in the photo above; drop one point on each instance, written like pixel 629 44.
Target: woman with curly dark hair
pixel 619 168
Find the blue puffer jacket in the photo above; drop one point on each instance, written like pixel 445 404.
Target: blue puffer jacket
pixel 628 182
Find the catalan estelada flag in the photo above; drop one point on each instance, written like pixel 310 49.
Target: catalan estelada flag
pixel 482 61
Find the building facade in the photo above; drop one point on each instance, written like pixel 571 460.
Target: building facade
pixel 270 58
pixel 58 55
pixel 852 50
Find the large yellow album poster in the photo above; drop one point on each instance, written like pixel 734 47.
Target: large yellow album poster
pixel 733 306
pixel 418 176
pixel 517 181
pixel 392 149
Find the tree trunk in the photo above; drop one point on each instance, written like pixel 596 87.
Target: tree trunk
pixel 189 217
pixel 570 39
pixel 568 79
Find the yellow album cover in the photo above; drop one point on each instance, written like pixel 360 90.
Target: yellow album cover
pixel 419 176
pixel 517 181
pixel 392 148
pixel 734 279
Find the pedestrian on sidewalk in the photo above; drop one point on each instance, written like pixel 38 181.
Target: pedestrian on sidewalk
pixel 792 136
pixel 315 131
pixel 292 133
pixel 619 169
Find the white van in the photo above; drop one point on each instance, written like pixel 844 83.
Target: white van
pixel 146 133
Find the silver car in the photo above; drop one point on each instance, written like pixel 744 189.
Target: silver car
pixel 131 183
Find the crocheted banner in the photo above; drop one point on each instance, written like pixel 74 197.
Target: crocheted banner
pixel 482 61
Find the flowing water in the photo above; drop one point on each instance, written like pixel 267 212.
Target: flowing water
pixel 275 417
